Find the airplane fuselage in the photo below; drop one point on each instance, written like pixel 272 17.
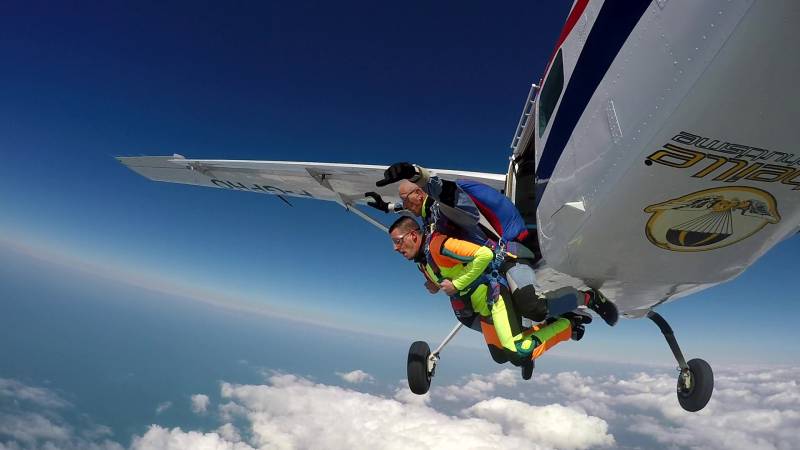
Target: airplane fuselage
pixel 665 155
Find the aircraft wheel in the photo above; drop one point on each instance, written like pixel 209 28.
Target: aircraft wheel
pixel 419 378
pixel 696 395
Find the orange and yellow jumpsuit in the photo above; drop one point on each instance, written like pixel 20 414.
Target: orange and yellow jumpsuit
pixel 464 263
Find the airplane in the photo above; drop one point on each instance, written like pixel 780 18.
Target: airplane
pixel 654 158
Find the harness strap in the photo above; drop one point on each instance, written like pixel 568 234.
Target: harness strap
pixel 491 276
pixel 428 256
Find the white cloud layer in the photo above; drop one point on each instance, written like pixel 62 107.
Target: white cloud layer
pixel 31 418
pixel 479 387
pixel 200 403
pixel 749 410
pixel 177 439
pixel 291 412
pixel 554 425
pixel 356 377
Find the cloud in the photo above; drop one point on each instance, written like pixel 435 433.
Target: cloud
pixel 568 410
pixel 32 427
pixel 163 407
pixel 750 409
pixel 231 411
pixel 38 396
pixel 552 425
pixel 229 432
pixel 404 395
pixel 479 387
pixel 177 439
pixel 356 377
pixel 294 412
pixel 200 403
pixel 33 418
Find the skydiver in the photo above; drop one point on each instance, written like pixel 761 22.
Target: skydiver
pixel 458 268
pixel 445 208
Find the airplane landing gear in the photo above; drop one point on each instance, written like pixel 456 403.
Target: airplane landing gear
pixel 418 369
pixel 696 379
pixel 694 390
pixel 421 366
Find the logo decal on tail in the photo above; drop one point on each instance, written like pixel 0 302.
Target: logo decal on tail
pixel 710 219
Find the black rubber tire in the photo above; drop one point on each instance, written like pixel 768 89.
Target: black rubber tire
pixel 419 379
pixel 697 397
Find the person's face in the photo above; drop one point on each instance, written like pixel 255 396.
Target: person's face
pixel 406 242
pixel 412 198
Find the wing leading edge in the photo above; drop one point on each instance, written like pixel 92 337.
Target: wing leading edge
pixel 341 183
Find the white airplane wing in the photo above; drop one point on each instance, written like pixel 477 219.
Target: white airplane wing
pixel 341 183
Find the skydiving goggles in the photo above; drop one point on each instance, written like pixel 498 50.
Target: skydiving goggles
pixel 399 240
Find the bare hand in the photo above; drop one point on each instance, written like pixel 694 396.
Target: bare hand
pixel 448 288
pixel 431 287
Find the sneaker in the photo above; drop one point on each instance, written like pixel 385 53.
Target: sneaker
pixel 604 308
pixel 577 317
pixel 527 369
pixel 577 321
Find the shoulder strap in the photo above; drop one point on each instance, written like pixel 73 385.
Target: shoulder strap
pixel 429 237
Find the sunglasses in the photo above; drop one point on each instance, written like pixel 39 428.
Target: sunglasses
pixel 404 198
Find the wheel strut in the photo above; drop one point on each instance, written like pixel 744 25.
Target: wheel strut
pixel 434 356
pixel 696 379
pixel 666 330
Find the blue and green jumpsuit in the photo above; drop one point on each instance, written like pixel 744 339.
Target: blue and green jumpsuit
pixel 466 264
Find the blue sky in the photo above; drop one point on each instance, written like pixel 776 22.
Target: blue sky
pixel 343 83
pixel 353 82
pixel 178 284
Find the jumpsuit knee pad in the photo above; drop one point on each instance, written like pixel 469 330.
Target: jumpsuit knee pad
pixel 518 275
pixel 529 304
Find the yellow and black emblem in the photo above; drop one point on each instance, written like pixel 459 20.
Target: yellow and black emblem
pixel 710 219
